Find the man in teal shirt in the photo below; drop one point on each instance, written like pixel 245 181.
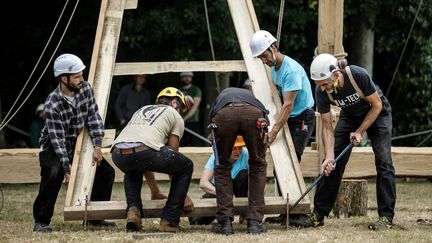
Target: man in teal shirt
pixel 239 176
pixel 295 91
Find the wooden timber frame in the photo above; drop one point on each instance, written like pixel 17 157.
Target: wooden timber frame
pixel 102 69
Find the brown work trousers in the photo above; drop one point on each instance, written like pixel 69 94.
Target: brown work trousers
pixel 232 121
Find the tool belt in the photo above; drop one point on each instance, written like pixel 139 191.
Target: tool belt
pixel 137 149
pixel 238 104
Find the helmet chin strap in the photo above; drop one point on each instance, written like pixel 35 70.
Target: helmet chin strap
pixel 274 57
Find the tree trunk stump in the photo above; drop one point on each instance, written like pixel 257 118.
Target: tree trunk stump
pixel 352 199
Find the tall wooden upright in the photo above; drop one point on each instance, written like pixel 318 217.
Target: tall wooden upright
pixel 330 40
pixel 103 68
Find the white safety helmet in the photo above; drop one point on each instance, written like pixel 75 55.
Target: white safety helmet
pixel 69 64
pixel 260 42
pixel 323 66
pixel 39 108
pixel 186 74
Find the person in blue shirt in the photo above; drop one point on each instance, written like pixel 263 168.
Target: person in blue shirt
pixel 239 176
pixel 295 91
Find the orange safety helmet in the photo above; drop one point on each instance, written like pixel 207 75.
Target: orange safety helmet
pixel 239 142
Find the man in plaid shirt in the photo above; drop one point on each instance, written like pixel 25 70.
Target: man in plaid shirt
pixel 67 109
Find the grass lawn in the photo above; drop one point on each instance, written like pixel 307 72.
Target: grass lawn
pixel 413 202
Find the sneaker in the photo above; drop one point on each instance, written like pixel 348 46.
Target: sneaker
pixel 255 227
pixel 166 226
pixel 101 223
pixel 382 223
pixel 133 222
pixel 42 228
pixel 313 220
pixel 281 219
pixel 224 227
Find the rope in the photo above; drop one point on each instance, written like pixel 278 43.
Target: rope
pixel 37 63
pixel 279 28
pixel 424 140
pixel 411 135
pixel 6 121
pixel 218 88
pixel 404 48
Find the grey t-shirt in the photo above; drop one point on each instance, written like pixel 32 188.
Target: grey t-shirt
pixel 350 102
pixel 152 125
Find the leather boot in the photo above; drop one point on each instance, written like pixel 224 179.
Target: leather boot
pixel 255 227
pixel 133 219
pixel 166 226
pixel 224 227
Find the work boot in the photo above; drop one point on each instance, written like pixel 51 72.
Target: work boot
pixel 313 220
pixel 281 219
pixel 133 222
pixel 382 223
pixel 224 227
pixel 166 226
pixel 42 228
pixel 255 227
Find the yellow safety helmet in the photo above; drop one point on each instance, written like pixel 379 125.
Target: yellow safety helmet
pixel 186 100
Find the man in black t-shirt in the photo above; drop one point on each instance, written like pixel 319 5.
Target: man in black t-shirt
pixel 364 108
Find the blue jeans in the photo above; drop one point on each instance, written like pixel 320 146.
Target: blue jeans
pixel 380 135
pixel 165 161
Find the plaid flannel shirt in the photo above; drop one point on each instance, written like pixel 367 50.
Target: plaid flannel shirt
pixel 64 122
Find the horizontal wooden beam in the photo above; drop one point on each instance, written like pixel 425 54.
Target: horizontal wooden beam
pixel 153 208
pixel 131 68
pixel 22 165
pixel 131 4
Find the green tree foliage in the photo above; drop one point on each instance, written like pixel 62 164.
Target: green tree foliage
pixel 162 30
pixel 412 87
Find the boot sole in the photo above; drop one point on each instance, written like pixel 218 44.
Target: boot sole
pixel 132 226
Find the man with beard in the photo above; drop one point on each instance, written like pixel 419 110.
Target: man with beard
pixel 67 109
pixel 295 92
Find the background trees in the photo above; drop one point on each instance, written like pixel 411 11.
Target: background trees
pixel 374 36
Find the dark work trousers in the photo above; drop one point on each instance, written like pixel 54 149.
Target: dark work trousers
pixel 52 176
pixel 190 139
pixel 240 189
pixel 380 135
pixel 232 121
pixel 165 161
pixel 301 128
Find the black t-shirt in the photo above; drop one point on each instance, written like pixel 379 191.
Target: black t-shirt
pixel 350 102
pixel 232 95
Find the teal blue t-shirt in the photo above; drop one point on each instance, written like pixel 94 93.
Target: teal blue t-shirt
pixel 240 164
pixel 292 77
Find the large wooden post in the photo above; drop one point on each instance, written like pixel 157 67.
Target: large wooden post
pixel 330 40
pixel 100 76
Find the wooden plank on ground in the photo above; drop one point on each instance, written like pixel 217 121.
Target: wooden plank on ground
pixel 131 68
pixel 153 208
pixel 245 24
